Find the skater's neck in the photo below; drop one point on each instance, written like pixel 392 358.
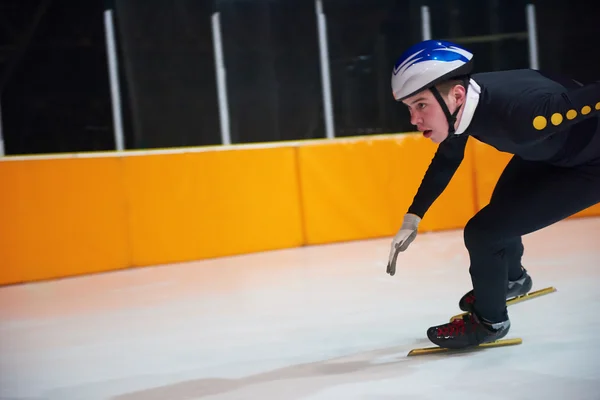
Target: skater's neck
pixel 471 102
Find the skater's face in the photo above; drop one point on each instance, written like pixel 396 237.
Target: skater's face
pixel 427 114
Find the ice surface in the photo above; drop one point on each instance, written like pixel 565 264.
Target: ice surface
pixel 313 323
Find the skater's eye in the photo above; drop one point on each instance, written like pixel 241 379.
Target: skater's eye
pixel 416 107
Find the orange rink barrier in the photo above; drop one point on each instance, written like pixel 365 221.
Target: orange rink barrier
pixel 200 205
pixel 61 217
pixel 74 215
pixel 361 189
pixel 70 216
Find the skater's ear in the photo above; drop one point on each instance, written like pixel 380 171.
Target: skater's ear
pixel 453 89
pixel 458 92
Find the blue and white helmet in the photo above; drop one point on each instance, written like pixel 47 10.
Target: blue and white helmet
pixel 426 64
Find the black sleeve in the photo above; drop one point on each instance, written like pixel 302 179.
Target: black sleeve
pixel 537 114
pixel 444 164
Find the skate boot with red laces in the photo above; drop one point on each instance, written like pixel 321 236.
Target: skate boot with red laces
pixel 516 288
pixel 468 331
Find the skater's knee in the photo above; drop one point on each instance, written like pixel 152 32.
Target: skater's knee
pixel 477 234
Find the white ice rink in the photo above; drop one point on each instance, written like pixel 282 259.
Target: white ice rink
pixel 316 323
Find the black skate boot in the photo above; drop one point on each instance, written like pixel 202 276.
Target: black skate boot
pixel 515 288
pixel 469 331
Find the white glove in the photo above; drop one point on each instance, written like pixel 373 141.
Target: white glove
pixel 404 237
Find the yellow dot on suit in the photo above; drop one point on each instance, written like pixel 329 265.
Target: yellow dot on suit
pixel 539 122
pixel 556 119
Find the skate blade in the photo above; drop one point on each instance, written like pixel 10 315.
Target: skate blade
pixel 436 349
pixel 518 299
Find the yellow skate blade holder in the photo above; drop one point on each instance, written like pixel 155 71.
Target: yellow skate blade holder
pixel 518 299
pixel 435 349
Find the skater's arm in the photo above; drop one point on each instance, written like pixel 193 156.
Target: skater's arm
pixel 444 164
pixel 540 114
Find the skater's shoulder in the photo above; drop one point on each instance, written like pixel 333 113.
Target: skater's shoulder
pixel 503 90
pixel 518 81
pixel 504 75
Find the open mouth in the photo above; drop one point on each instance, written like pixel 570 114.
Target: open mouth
pixel 427 133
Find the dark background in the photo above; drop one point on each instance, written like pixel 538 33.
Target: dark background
pixel 55 90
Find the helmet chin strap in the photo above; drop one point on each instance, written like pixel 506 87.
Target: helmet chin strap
pixel 450 117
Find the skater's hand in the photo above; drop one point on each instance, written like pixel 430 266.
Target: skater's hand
pixel 403 238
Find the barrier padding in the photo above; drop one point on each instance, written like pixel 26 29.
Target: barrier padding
pixel 70 216
pixel 61 217
pixel 489 164
pixel 200 205
pixel 360 189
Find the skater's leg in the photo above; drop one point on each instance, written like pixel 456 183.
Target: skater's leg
pixel 519 282
pixel 507 186
pixel 530 196
pixel 513 249
pixel 513 254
